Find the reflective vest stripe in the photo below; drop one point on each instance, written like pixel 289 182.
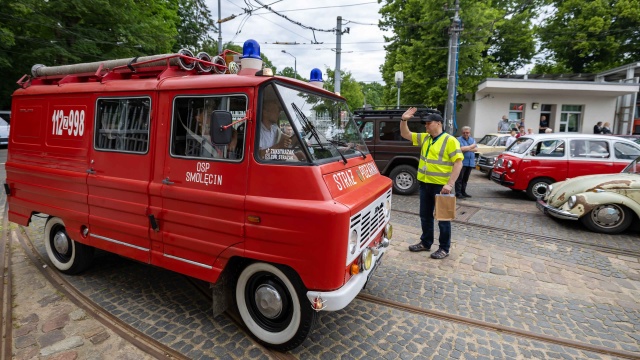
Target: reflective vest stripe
pixel 430 173
pixel 455 152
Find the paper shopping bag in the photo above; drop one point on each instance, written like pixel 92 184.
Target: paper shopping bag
pixel 445 207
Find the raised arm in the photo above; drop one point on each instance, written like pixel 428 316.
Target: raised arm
pixel 404 127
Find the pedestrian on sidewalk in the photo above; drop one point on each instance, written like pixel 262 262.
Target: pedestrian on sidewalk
pixel 438 169
pixel 468 146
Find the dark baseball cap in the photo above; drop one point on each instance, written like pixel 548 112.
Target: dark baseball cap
pixel 432 117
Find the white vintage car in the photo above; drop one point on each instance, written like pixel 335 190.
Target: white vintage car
pixel 606 203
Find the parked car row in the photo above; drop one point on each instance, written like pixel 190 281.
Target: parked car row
pixel 534 162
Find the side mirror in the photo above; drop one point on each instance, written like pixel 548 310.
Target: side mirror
pixel 220 119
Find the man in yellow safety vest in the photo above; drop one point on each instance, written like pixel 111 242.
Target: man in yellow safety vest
pixel 439 167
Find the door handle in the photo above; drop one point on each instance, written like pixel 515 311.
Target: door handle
pixel 91 171
pixel 166 181
pixel 526 161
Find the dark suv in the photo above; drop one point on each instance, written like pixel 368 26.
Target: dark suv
pixel 395 157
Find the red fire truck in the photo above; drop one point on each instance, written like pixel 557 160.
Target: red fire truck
pixel 210 168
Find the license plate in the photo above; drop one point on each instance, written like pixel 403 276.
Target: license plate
pixel 477 167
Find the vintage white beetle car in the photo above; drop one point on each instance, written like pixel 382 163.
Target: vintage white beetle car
pixel 606 203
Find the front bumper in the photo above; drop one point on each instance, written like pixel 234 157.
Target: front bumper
pixel 555 212
pixel 485 168
pixel 340 298
pixel 499 178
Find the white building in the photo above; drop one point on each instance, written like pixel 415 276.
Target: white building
pixel 571 103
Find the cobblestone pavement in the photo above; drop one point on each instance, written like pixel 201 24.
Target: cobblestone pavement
pixel 555 289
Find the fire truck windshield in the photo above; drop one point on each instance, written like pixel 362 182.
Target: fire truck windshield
pixel 321 128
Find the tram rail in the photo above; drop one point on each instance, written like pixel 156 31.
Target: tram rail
pixel 498 328
pixel 124 330
pixel 5 290
pixel 545 238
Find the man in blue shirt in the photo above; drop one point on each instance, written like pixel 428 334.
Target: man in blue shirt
pixel 468 146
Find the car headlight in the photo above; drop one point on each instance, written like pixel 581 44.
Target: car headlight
pixel 353 242
pixel 572 201
pixel 388 230
pixel 366 258
pixel 509 163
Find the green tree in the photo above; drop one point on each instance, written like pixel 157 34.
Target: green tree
pixel 289 72
pixel 496 39
pixel 68 32
pixel 373 93
pixel 350 89
pixel 591 35
pixel 195 27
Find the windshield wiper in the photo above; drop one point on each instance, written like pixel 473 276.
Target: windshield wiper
pixel 308 126
pixel 343 143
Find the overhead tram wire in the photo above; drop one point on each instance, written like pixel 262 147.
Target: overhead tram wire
pixel 327 7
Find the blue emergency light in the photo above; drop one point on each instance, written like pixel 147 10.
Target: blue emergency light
pixel 316 75
pixel 251 50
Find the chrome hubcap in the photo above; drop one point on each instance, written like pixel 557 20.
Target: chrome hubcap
pixel 540 189
pixel 404 181
pixel 61 243
pixel 607 215
pixel 269 301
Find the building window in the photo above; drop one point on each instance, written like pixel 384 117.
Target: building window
pixel 123 125
pixel 516 112
pixel 570 118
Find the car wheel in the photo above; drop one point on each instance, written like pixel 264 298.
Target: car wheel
pixel 537 188
pixel 404 179
pixel 66 255
pixel 273 305
pixel 608 219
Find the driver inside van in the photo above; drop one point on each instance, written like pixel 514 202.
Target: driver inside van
pixel 274 144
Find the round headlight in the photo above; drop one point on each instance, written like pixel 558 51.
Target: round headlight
pixel 367 259
pixel 353 242
pixel 572 201
pixel 388 230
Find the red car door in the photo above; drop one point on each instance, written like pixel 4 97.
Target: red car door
pixel 119 171
pixel 203 184
pixel 589 156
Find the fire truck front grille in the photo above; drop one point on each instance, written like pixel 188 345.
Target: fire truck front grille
pixel 370 220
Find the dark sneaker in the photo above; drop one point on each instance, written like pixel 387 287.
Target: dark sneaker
pixel 466 195
pixel 439 254
pixel 418 247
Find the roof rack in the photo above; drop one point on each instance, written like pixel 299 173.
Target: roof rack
pixel 138 67
pixel 422 112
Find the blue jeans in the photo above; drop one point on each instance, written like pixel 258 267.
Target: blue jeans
pixel 427 205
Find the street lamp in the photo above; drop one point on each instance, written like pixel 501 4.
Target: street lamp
pixel 295 65
pixel 399 78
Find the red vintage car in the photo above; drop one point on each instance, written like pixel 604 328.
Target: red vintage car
pixel 535 161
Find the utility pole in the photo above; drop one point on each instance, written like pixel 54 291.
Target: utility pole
pixel 336 75
pixel 452 69
pixel 219 28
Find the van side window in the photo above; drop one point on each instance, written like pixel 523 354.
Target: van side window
pixel 190 133
pixel 625 151
pixel 123 125
pixel 390 130
pixel 598 149
pixel 550 148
